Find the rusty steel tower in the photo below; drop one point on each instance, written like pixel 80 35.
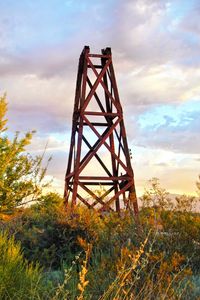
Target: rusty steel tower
pixel 99 172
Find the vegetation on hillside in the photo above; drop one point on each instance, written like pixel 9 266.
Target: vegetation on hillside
pixel 47 252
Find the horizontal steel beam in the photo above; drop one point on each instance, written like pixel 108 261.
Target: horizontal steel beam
pixel 104 178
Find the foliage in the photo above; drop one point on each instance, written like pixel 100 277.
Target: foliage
pixel 143 275
pixel 18 279
pixel 21 175
pixel 155 196
pixel 158 198
pixel 85 254
pixel 178 227
pixel 183 235
pixel 55 238
pixel 45 233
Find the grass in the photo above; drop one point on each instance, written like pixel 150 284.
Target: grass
pixel 84 256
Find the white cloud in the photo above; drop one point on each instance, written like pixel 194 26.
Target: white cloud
pixel 156 58
pixel 177 172
pixel 38 103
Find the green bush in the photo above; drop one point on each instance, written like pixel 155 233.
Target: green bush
pixel 21 175
pixel 46 235
pixel 18 279
pixel 53 237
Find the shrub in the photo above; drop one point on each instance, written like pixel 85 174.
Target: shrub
pixel 21 175
pixel 18 279
pixel 46 234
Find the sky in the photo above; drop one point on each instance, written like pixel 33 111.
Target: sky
pixel 155 46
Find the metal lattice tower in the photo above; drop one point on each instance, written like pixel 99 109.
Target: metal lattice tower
pixel 99 155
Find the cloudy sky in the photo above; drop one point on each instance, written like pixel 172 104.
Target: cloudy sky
pixel 156 55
